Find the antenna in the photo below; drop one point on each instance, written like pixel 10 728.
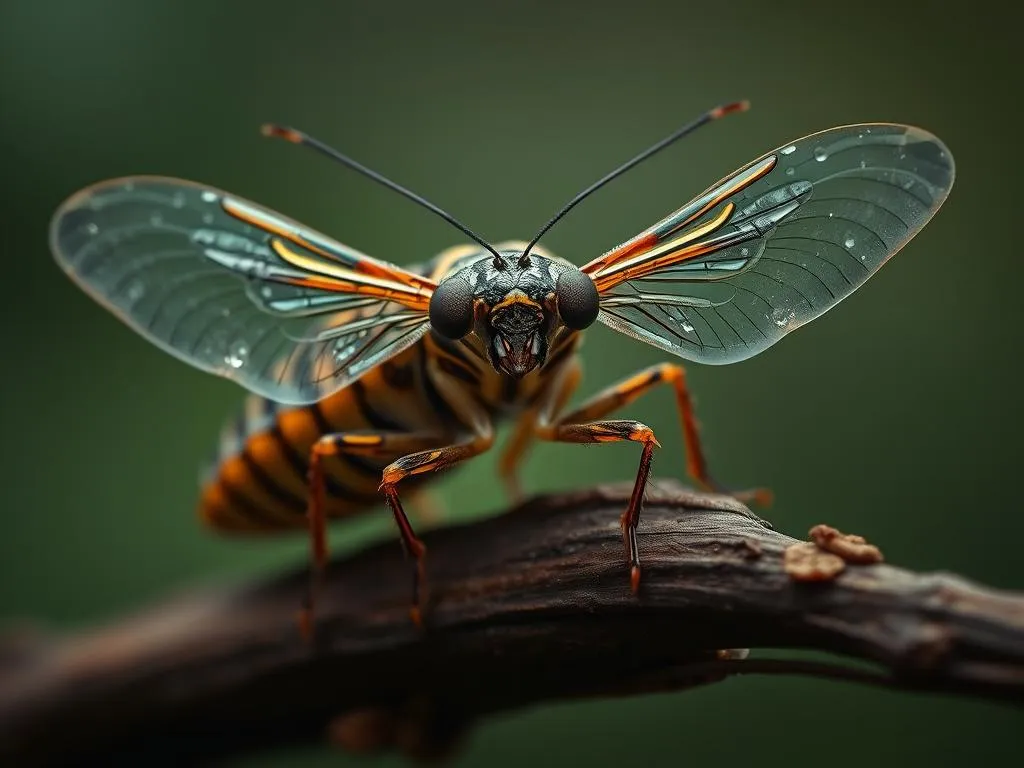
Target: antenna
pixel 302 139
pixel 707 117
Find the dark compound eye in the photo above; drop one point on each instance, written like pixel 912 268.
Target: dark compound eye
pixel 577 299
pixel 451 308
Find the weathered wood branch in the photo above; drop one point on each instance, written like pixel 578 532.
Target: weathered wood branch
pixel 528 607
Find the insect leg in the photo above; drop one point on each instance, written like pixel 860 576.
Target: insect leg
pixel 629 390
pixel 585 425
pixel 358 443
pixel 474 419
pixel 414 464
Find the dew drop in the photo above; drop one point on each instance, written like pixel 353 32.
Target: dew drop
pixel 781 317
pixel 788 150
pixel 790 171
pixel 266 292
pixel 863 163
pixel 226 312
pixel 156 219
pixel 820 154
pixel 687 325
pixel 341 354
pixel 92 229
pixel 849 242
pixel 136 290
pixel 209 197
pixel 237 355
pixel 178 200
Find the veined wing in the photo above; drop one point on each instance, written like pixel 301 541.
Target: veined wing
pixel 776 244
pixel 236 289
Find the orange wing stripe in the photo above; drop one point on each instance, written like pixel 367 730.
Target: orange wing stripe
pixel 669 254
pixel 332 277
pixel 365 265
pixel 624 258
pixel 365 276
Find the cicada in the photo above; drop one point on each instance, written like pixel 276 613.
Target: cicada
pixel 365 377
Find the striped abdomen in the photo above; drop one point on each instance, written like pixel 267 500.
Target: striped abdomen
pixel 259 481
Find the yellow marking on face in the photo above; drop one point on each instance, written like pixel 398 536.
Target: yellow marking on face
pixel 515 297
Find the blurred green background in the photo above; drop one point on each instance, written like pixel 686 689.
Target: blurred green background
pixel 896 416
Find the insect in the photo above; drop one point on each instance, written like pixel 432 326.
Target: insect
pixel 366 377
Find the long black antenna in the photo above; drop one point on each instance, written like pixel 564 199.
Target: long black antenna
pixel 298 137
pixel 707 117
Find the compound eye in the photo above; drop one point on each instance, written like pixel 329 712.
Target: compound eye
pixel 577 299
pixel 451 308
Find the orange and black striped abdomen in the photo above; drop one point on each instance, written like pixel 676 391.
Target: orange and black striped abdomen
pixel 259 481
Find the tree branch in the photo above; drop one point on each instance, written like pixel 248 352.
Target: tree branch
pixel 527 607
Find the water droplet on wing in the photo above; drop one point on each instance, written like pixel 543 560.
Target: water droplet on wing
pixel 343 353
pixel 782 317
pixel 237 355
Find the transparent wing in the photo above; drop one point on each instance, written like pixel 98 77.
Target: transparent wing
pixel 236 289
pixel 775 244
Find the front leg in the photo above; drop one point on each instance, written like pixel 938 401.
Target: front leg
pixel 586 425
pixel 370 444
pixel 472 418
pixel 565 430
pixel 630 389
pixel 414 464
